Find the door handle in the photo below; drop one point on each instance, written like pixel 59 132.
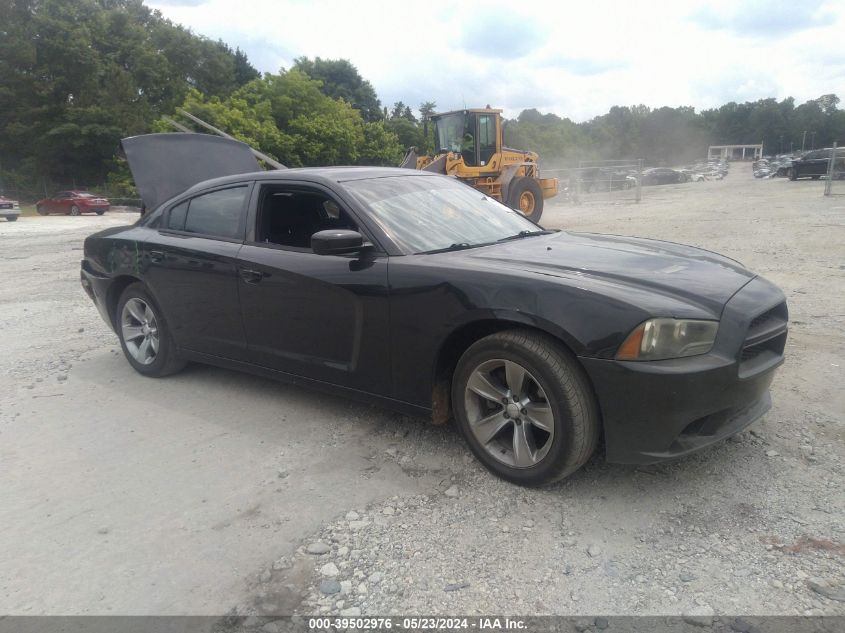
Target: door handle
pixel 156 256
pixel 251 276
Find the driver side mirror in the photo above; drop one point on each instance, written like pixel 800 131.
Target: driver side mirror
pixel 337 242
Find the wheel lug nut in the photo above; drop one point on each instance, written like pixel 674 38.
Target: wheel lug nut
pixel 524 411
pixel 504 400
pixel 516 398
pixel 506 416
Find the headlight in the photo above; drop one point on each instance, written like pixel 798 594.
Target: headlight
pixel 658 339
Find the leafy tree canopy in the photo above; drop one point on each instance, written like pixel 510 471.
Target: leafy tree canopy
pixel 77 75
pixel 341 80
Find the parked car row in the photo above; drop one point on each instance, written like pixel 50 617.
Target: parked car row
pixel 596 179
pixel 813 164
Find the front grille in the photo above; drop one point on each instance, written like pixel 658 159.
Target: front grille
pixel 764 341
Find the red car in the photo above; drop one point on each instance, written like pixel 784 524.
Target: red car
pixel 73 203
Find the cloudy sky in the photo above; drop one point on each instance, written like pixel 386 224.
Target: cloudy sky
pixel 575 59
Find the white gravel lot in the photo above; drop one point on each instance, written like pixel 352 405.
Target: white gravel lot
pixel 200 493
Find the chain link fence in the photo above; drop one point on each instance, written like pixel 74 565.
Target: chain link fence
pixel 28 196
pixel 600 181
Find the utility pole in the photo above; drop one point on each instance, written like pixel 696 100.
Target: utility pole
pixel 812 140
pixel 803 140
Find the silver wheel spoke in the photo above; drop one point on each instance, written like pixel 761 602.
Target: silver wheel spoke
pixel 143 350
pixel 136 310
pixel 481 384
pixel 154 344
pixel 515 376
pixel 149 316
pixel 487 428
pixel 541 416
pixel 524 450
pixel 131 332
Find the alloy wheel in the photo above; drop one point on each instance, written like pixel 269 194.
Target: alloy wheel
pixel 139 328
pixel 508 413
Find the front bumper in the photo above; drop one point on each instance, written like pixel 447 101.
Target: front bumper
pixel 660 410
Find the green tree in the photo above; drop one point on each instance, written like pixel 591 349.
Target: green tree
pixel 341 80
pixel 427 109
pixel 287 116
pixel 77 75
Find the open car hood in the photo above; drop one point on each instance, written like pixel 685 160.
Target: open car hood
pixel 164 165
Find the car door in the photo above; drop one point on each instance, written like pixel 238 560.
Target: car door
pixel 323 317
pixel 55 204
pixel 192 270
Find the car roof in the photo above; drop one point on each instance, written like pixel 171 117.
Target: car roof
pixel 326 175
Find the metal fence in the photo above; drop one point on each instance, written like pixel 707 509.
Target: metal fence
pixel 835 179
pixel 28 196
pixel 601 181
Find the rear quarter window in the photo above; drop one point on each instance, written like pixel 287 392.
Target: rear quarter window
pixel 216 214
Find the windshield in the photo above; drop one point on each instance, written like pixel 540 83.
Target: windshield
pixel 425 214
pixel 449 132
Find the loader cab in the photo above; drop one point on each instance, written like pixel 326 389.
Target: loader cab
pixel 474 134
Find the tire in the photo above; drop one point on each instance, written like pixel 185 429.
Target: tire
pixel 555 393
pixel 816 177
pixel 526 197
pixel 41 209
pixel 74 210
pixel 12 218
pixel 791 173
pixel 135 308
pixel 100 211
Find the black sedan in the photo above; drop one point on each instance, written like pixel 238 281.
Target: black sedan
pixel 662 176
pixel 815 164
pixel 415 291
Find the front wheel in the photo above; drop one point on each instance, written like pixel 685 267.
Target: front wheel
pixel 41 209
pixel 791 173
pixel 144 335
pixel 12 218
pixel 74 210
pixel 526 197
pixel 525 407
pixel 100 211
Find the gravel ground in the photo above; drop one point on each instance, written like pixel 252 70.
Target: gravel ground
pixel 214 492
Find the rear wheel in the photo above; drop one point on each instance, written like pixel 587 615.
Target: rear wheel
pixel 100 211
pixel 791 173
pixel 12 218
pixel 144 335
pixel 41 209
pixel 74 210
pixel 525 407
pixel 816 176
pixel 526 197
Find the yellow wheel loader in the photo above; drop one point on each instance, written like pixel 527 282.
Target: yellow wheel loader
pixel 468 145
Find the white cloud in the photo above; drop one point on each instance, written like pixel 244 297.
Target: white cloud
pixel 573 58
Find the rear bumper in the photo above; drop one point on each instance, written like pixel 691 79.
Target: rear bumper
pixel 661 410
pixel 96 287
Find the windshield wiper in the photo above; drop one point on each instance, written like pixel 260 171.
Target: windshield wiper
pixel 522 234
pixel 458 246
